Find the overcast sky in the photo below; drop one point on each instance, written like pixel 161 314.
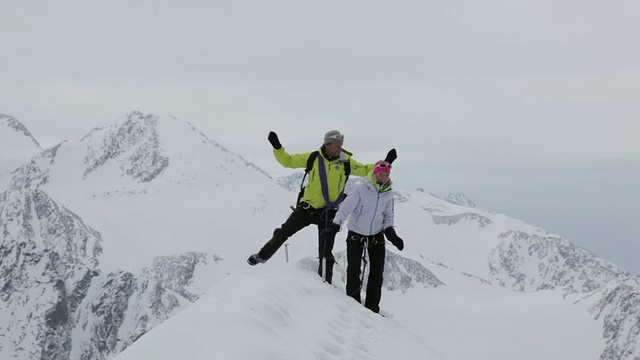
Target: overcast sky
pixel 531 108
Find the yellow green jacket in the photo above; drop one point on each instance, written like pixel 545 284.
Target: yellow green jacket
pixel 336 178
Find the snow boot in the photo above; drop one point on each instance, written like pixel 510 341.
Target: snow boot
pixel 255 259
pixel 325 268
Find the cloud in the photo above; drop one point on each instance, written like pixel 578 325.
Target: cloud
pixel 457 87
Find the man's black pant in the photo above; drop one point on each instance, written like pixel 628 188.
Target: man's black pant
pixel 303 216
pixel 374 244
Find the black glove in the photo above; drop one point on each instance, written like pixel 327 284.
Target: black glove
pixel 273 139
pixel 391 156
pixel 330 230
pixel 391 235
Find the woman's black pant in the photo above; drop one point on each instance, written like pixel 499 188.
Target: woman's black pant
pixel 303 216
pixel 374 245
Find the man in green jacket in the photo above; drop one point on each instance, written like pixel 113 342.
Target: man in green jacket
pixel 321 196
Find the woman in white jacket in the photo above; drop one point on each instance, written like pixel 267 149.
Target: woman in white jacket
pixel 370 207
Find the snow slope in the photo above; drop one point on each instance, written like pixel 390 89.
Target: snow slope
pixel 288 313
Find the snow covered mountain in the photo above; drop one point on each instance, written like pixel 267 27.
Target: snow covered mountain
pixel 17 146
pixel 144 226
pixel 94 296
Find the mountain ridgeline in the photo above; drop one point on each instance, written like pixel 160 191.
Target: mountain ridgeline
pixel 106 238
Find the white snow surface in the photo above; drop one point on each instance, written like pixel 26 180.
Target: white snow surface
pixel 287 313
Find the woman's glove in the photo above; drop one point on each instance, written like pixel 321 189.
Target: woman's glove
pixel 391 235
pixel 391 156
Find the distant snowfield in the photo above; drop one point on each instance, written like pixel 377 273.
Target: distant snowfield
pixel 466 319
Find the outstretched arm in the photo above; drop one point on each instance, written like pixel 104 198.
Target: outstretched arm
pixel 283 157
pixel 293 161
pixel 359 169
pixel 363 170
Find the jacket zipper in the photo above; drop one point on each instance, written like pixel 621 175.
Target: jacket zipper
pixel 360 213
pixel 375 212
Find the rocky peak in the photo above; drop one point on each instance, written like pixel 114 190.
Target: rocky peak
pixel 17 146
pixel 133 142
pixel 12 123
pixel 460 199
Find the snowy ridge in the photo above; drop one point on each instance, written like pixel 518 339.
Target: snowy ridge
pixel 287 313
pixel 526 262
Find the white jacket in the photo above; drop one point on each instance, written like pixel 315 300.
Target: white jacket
pixel 371 210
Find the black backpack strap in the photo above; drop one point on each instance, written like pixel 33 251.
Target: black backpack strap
pixel 312 157
pixel 347 169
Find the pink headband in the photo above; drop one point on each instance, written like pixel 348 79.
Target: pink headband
pixel 382 166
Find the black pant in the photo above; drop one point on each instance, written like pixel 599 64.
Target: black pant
pixel 301 217
pixel 356 245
